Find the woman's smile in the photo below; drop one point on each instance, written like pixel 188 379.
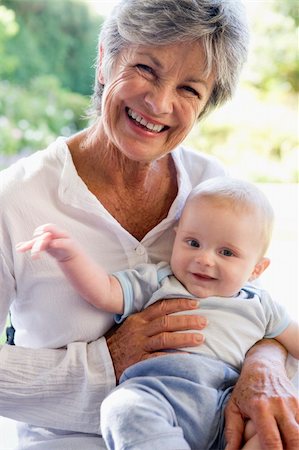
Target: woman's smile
pixel 146 124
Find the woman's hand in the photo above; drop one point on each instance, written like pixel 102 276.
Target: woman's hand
pixel 146 334
pixel 264 394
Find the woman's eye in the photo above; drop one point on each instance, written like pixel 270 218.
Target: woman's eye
pixel 193 243
pixel 145 68
pixel 192 91
pixel 226 252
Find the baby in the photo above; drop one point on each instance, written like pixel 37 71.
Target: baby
pixel 177 401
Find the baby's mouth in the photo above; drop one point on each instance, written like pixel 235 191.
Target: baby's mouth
pixel 202 276
pixel 143 123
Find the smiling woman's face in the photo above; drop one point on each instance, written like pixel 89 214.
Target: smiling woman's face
pixel 153 97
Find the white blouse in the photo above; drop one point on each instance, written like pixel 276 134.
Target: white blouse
pixel 46 312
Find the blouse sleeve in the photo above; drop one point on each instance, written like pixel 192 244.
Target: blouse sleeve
pixel 138 286
pixel 61 388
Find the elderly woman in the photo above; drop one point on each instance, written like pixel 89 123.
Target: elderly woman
pixel 119 187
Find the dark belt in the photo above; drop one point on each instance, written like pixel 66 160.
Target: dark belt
pixel 10 335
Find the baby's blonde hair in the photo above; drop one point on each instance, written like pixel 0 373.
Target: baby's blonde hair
pixel 241 196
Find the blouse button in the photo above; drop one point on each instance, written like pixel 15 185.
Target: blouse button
pixel 140 250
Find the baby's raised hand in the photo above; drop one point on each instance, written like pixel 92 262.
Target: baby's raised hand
pixel 51 239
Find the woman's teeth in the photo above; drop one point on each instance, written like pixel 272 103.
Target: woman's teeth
pixel 150 126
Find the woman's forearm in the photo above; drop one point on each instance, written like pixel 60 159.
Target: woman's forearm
pixel 265 395
pixel 56 388
pixel 266 352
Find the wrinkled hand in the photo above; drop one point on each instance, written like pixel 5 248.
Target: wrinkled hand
pixel 51 239
pixel 146 334
pixel 264 394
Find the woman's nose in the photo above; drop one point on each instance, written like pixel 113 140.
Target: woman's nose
pixel 160 100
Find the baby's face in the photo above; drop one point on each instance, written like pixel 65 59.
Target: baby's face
pixel 216 249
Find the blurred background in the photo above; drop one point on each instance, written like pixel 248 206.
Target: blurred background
pixel 47 54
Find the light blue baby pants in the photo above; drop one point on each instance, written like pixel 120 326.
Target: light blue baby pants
pixel 173 402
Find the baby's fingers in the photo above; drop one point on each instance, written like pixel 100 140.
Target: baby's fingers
pixel 41 244
pixel 24 246
pixel 51 228
pixel 36 245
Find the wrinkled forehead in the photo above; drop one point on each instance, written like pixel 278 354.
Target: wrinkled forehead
pixel 191 54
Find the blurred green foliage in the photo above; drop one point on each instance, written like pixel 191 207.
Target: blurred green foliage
pixel 53 37
pixel 256 134
pixel 274 54
pixel 31 118
pixel 48 48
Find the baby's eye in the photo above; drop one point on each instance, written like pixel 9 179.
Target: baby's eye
pixel 226 252
pixel 193 243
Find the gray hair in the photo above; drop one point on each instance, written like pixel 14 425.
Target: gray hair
pixel 240 196
pixel 220 25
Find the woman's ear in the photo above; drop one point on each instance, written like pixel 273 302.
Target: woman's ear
pixel 100 63
pixel 259 268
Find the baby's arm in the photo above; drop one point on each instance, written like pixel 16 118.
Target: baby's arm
pixel 92 282
pixel 289 338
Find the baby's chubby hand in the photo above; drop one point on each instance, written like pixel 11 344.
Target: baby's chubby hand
pixel 51 239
